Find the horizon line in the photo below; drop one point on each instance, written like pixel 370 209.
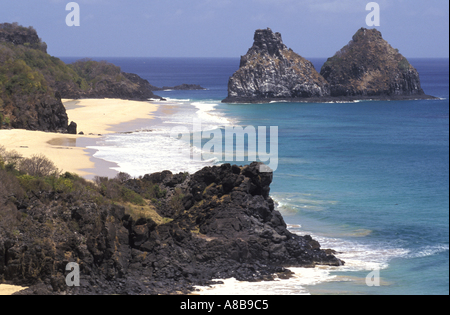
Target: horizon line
pixel 197 57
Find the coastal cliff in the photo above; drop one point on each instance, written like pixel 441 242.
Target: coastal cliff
pixel 215 224
pixel 271 71
pixel 369 66
pixel 32 82
pixel 26 99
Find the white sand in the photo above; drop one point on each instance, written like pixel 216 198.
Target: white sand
pixel 93 116
pixel 6 289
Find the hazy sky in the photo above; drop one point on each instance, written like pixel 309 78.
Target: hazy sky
pixel 225 28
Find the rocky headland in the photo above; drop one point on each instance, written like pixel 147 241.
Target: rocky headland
pixel 26 99
pixel 32 83
pixel 367 68
pixel 161 234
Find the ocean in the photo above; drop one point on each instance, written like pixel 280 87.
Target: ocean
pixel 369 179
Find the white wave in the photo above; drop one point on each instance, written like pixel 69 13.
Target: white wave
pixel 280 101
pixel 169 99
pixel 428 251
pixel 147 152
pixel 347 102
pixel 234 287
pixel 208 114
pixel 151 149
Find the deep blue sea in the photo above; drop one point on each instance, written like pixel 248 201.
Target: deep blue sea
pixel 369 179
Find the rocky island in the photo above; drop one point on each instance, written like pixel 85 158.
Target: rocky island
pixel 367 68
pixel 271 71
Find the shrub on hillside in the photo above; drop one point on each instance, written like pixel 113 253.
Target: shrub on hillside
pixel 38 165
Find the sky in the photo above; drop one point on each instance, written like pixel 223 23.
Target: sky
pixel 225 28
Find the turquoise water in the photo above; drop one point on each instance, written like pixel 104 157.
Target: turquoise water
pixel 369 179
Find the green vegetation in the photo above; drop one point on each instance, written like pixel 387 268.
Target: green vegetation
pixel 27 36
pixel 22 179
pixel 26 71
pixel 404 65
pixel 94 71
pixel 29 76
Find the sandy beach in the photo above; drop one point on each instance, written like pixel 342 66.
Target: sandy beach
pixel 95 117
pixel 6 289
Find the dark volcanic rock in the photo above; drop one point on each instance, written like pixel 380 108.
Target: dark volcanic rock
pixel 144 90
pixel 222 224
pixel 271 71
pixel 39 112
pixel 184 87
pixel 72 129
pixel 369 66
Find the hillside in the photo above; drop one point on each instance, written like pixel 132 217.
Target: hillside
pixel 27 99
pixel 32 82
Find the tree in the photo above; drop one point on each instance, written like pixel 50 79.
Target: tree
pixel 38 165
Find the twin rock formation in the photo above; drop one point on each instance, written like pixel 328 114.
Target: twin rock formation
pixel 367 68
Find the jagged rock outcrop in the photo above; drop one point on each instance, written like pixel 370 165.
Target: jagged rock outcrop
pixel 72 128
pixel 271 71
pixel 219 223
pixel 369 66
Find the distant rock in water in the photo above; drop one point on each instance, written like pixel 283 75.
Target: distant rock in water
pixel 369 66
pixel 184 87
pixel 270 71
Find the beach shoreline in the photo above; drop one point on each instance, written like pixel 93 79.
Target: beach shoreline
pixel 95 118
pixel 70 153
pixel 7 289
